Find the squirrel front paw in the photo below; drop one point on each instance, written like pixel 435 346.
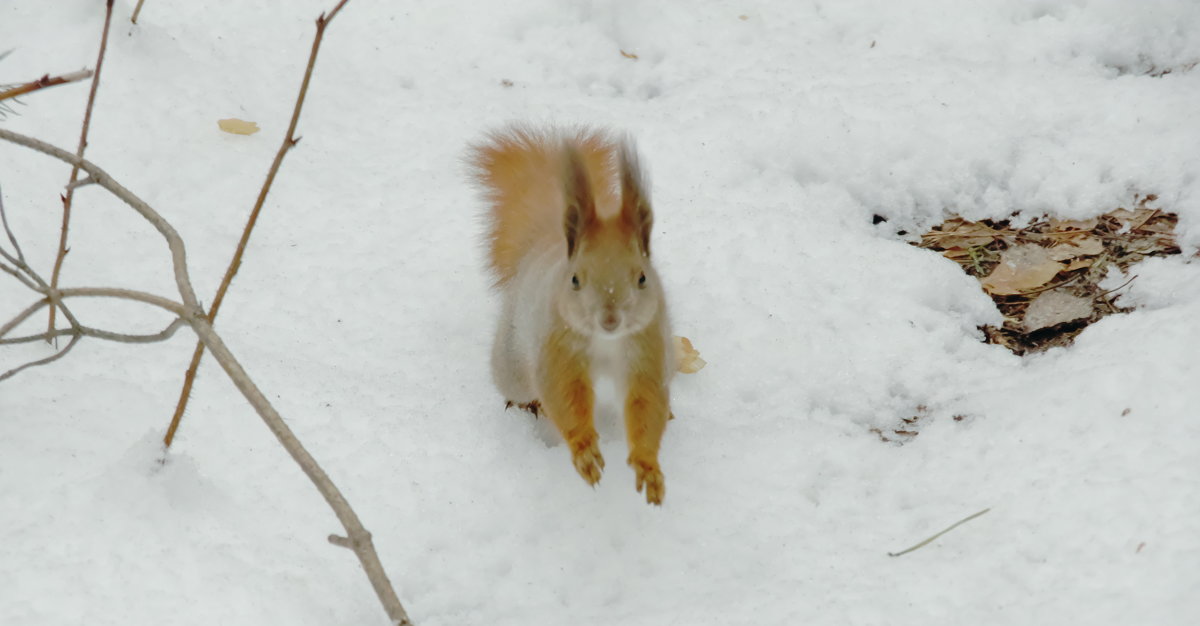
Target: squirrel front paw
pixel 585 453
pixel 651 477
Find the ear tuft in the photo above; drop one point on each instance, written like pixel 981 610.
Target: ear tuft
pixel 635 201
pixel 581 206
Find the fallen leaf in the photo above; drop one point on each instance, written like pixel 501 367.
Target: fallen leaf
pixel 1132 220
pixel 687 358
pixel 237 127
pixel 959 233
pixel 1078 264
pixel 1077 247
pixel 1053 308
pixel 1059 225
pixel 629 55
pixel 1022 268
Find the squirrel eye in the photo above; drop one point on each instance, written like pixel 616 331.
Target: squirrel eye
pixel 642 280
pixel 575 281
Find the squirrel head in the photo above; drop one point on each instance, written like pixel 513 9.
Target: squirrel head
pixel 611 287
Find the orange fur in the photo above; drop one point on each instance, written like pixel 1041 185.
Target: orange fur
pixel 569 238
pixel 568 400
pixel 522 171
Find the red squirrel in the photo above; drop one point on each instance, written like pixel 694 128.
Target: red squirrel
pixel 569 225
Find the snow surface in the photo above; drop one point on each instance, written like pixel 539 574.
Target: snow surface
pixel 774 132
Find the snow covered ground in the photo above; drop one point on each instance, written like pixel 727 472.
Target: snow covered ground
pixel 773 132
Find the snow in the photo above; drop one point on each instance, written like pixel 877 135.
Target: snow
pixel 774 132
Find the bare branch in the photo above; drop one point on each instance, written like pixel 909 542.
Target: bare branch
pixel 80 183
pixel 88 331
pixel 83 135
pixel 11 237
pixel 136 11
pixel 125 294
pixel 50 359
pixel 289 141
pixel 18 275
pixel 324 20
pixel 44 82
pixel 22 316
pixel 192 313
pixel 360 539
pixel 174 242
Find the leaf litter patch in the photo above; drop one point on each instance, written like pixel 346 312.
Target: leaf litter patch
pixel 1045 277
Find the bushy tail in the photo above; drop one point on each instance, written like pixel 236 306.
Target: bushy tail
pixel 522 171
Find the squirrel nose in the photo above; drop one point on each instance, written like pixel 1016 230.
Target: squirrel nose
pixel 610 321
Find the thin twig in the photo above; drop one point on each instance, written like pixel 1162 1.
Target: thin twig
pixel 22 316
pixel 125 294
pixel 136 10
pixel 11 237
pixel 50 359
pixel 103 179
pixel 1064 283
pixel 87 122
pixel 45 81
pixel 18 275
pixel 952 527
pixel 81 183
pixel 194 315
pixel 88 331
pixel 1117 288
pixel 289 140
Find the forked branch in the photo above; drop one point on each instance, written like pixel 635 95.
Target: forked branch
pixel 69 197
pixel 192 313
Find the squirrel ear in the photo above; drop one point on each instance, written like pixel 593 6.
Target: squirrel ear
pixel 635 202
pixel 581 206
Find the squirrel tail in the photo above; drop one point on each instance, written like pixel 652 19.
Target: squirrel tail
pixel 522 171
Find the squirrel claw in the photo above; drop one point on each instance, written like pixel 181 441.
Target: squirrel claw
pixel 533 406
pixel 651 477
pixel 587 458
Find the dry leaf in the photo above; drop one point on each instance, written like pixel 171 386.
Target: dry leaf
pixel 629 55
pixel 687 358
pixel 959 233
pixel 1060 225
pixel 1077 247
pixel 1079 264
pixel 237 127
pixel 1021 268
pixel 1053 308
pixel 1133 219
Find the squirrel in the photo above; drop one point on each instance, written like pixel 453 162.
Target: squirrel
pixel 569 224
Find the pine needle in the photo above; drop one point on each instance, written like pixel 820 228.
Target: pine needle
pixel 952 527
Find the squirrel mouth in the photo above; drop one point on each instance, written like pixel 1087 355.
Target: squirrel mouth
pixel 610 322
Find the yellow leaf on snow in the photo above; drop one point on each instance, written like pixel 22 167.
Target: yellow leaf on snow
pixel 1021 268
pixel 237 127
pixel 687 358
